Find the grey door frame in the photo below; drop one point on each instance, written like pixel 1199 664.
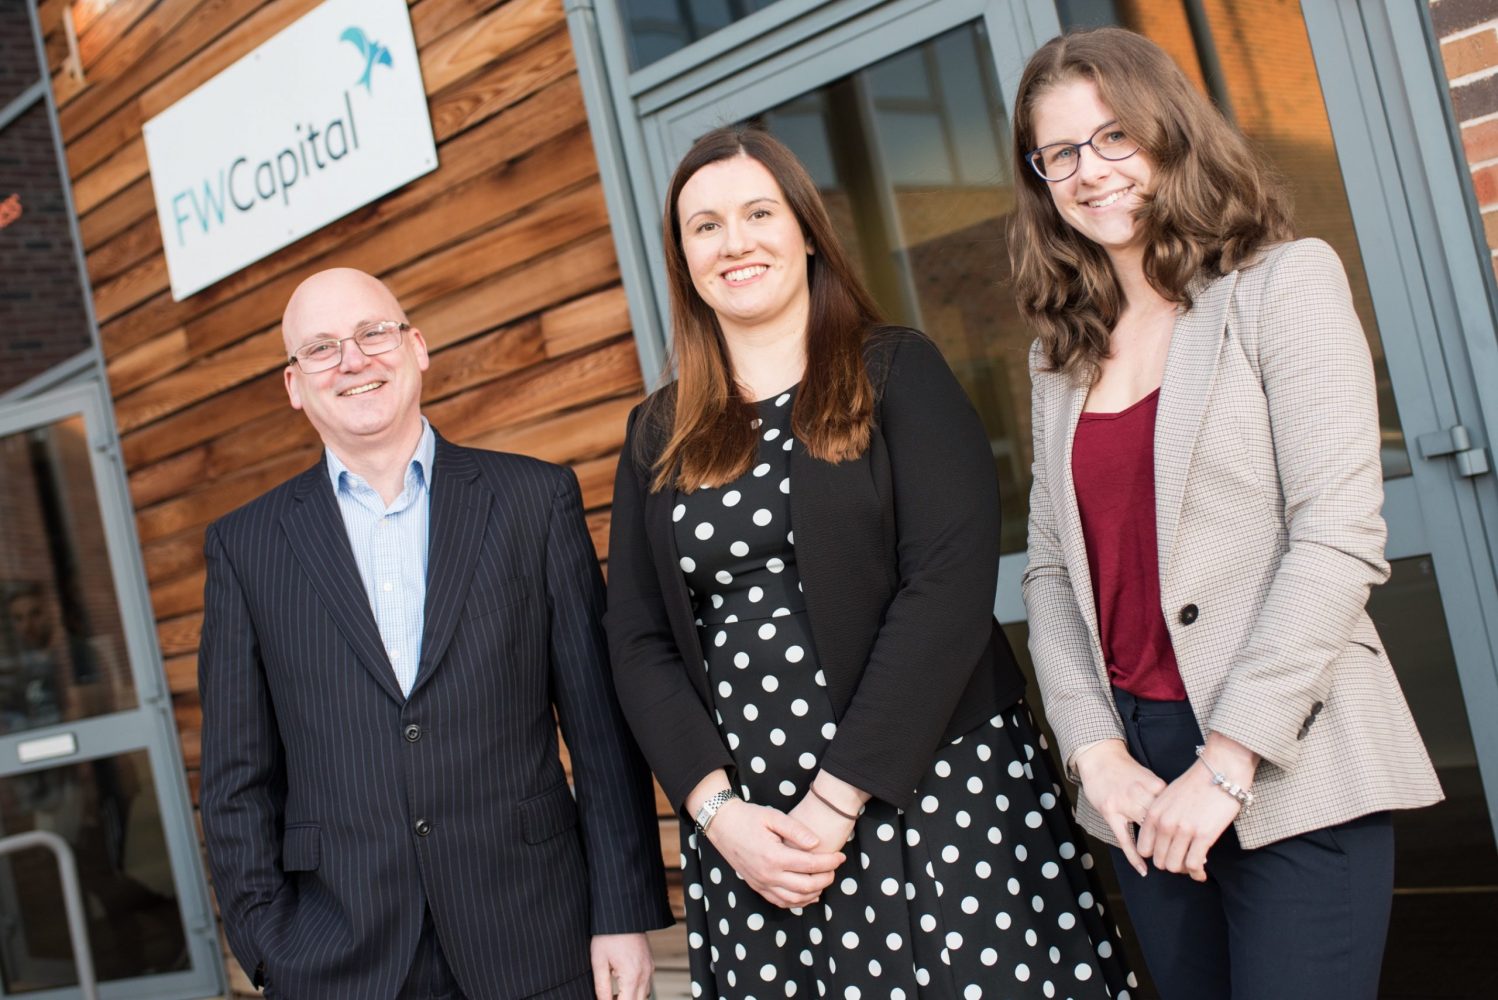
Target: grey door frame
pixel 1400 162
pixel 150 726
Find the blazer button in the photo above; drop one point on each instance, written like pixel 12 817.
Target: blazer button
pixel 1188 614
pixel 423 828
pixel 413 733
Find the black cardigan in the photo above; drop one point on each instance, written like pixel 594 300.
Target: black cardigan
pixel 898 552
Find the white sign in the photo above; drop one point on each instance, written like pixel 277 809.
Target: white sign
pixel 327 116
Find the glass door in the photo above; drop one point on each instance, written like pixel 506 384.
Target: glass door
pixel 901 115
pixel 88 748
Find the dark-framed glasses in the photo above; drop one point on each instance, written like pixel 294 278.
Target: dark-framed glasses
pixel 1059 160
pixel 376 338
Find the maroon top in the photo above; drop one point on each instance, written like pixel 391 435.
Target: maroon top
pixel 1113 468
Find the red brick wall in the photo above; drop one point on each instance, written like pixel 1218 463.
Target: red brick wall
pixel 1468 31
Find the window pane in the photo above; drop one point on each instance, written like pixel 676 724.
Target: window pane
pixel 657 28
pixel 18 64
pixel 1265 77
pixel 911 155
pixel 41 299
pixel 106 810
pixel 62 648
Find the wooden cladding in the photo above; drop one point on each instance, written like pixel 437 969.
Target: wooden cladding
pixel 502 256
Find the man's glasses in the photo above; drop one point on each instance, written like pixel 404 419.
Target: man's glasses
pixel 376 338
pixel 1059 160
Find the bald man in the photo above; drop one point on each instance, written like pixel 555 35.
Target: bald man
pixel 389 640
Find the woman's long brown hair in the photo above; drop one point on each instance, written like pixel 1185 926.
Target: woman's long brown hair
pixel 706 421
pixel 1215 202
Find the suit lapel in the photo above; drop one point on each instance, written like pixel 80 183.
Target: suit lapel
pixel 319 540
pixel 459 512
pixel 1190 370
pixel 1068 516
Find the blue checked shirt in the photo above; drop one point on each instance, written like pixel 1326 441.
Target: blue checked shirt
pixel 390 548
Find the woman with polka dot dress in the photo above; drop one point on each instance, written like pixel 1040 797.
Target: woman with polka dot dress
pixel 802 563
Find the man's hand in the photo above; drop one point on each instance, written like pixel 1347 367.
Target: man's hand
pixel 1121 789
pixel 773 853
pixel 622 962
pixel 1186 819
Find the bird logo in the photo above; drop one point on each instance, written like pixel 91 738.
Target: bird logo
pixel 374 53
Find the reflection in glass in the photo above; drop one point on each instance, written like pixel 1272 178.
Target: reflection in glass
pixel 106 811
pixel 62 648
pixel 911 156
pixel 41 308
pixel 1255 61
pixel 657 28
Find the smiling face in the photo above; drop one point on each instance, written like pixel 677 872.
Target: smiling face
pixel 1100 199
pixel 744 246
pixel 365 402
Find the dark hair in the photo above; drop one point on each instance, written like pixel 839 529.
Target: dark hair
pixel 1215 203
pixel 705 419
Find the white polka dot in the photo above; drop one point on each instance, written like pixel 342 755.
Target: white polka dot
pixel 829 730
pixel 949 854
pixel 767 973
pixel 777 736
pixel 1066 921
pixel 912 837
pixel 954 940
pixel 928 923
pixel 762 468
pixel 741 659
pixel 1016 769
pixel 1013 886
pixel 1055 955
pixel 731 497
pixel 807 761
pixel 751 712
pixel 770 683
pixel 1083 971
pixel 739 549
pixel 775 564
pixel 975 784
pixel 723 576
pixel 767 631
pixel 725 689
pixel 772 433
pixel 1022 972
pixel 885 832
pixel 1033 820
pixel 733 741
pixel 1037 903
pixel 785 486
pixel 1002 921
pixel 793 654
pixel 1085 901
pixel 720 639
pixel 929 804
pixel 973 992
pixel 970 904
pixel 894 942
pixel 943 769
pixel 1050 869
pixel 983 869
pixel 850 940
pixel 849 886
pixel 852 993
pixel 787 788
pixel 688 564
pixel 963 819
pixel 757 765
pixel 1047 800
pixel 762 517
pixel 984 751
pixel 704 531
pixel 1002 801
pixel 922 977
pixel 788 443
pixel 784 398
pixel 799 707
pixel 1105 949
pixel 820 678
pixel 780 612
pixel 889 887
pixel 756 594
pixel 988 956
pixel 717 600
pixel 695 890
pixel 1067 851
pixel 678 512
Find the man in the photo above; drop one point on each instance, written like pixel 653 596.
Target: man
pixel 388 641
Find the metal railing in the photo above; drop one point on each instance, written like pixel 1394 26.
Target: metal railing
pixel 72 899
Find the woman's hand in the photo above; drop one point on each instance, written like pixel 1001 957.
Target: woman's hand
pixel 1121 789
pixel 1186 819
pixel 773 852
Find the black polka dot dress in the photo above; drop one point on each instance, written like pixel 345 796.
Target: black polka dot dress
pixel 982 889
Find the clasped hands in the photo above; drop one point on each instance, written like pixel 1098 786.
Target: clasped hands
pixel 789 858
pixel 1179 822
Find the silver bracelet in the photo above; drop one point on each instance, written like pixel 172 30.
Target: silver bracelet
pixel 710 808
pixel 1241 795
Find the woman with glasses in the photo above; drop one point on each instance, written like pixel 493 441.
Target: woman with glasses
pixel 801 571
pixel 1204 531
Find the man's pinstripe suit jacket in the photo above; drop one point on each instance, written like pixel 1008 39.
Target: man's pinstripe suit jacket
pixel 335 810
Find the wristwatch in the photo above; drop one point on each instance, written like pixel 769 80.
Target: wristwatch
pixel 710 808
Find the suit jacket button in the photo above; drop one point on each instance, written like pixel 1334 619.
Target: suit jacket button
pixel 413 733
pixel 1316 709
pixel 1188 614
pixel 423 828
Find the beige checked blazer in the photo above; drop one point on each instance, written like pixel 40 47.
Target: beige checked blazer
pixel 1267 494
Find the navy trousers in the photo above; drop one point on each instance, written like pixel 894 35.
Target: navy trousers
pixel 1300 919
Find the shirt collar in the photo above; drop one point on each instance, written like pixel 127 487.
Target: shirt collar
pixel 420 465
